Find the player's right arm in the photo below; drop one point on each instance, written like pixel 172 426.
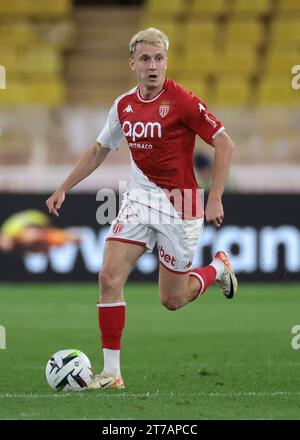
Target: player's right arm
pixel 91 159
pixel 110 138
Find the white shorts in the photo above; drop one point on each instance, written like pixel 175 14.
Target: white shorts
pixel 141 224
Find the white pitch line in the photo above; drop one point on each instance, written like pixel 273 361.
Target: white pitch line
pixel 150 395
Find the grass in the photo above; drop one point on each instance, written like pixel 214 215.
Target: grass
pixel 214 359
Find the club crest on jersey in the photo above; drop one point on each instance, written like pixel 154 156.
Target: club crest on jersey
pixel 164 109
pixel 118 228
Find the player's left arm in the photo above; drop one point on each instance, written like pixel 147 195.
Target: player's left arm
pixel 224 149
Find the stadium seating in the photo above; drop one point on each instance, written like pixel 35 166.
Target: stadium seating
pixel 209 41
pixel 281 61
pixel 14 8
pixel 232 92
pixel 252 7
pixel 211 8
pixel 33 37
pixel 243 34
pixel 237 61
pixel 276 90
pixel 50 9
pixel 248 40
pixel 159 8
pixel 288 6
pixel 201 34
pixel 285 32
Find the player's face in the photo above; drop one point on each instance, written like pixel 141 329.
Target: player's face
pixel 150 64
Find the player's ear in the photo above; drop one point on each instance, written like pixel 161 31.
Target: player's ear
pixel 131 64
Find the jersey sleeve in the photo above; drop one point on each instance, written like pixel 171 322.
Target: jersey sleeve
pixel 196 116
pixel 111 135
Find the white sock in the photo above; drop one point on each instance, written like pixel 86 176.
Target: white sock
pixel 112 361
pixel 218 266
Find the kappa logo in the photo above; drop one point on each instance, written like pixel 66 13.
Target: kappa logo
pixel 128 109
pixel 188 265
pixel 164 109
pixel 118 228
pixel 209 120
pixel 201 107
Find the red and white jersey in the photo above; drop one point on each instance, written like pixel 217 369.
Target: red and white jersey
pixel 160 133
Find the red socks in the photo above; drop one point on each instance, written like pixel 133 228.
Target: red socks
pixel 111 323
pixel 205 275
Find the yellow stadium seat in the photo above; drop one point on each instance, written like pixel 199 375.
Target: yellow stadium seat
pixel 252 7
pixel 60 34
pixel 50 9
pixel 9 59
pixel 168 9
pixel 201 34
pixel 244 61
pixel 14 94
pixel 19 34
pixel 50 92
pixel 232 92
pixel 277 91
pixel 285 31
pixel 207 8
pixel 173 61
pixel 243 33
pixel 281 61
pixel 200 61
pixel 40 61
pixel 288 6
pixel 14 8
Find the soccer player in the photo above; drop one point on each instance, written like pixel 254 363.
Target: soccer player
pixel 160 120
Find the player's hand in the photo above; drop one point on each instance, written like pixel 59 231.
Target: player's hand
pixel 55 201
pixel 214 213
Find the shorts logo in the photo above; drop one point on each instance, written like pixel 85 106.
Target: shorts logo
pixel 166 257
pixel 117 229
pixel 164 109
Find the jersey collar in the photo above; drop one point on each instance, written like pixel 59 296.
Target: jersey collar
pixel 155 97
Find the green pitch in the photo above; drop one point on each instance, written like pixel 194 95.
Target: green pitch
pixel 213 359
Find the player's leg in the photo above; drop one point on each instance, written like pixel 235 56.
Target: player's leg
pixel 177 284
pixel 119 259
pixel 177 289
pixel 220 271
pixel 177 241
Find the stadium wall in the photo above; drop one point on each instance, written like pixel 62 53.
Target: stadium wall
pixel 261 231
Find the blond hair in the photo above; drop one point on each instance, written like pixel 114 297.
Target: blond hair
pixel 150 36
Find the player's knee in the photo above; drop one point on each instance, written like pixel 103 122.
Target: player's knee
pixel 109 282
pixel 171 303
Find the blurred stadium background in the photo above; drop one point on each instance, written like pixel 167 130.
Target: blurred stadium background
pixel 62 63
pixel 66 61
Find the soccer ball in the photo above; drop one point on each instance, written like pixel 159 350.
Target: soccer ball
pixel 69 370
